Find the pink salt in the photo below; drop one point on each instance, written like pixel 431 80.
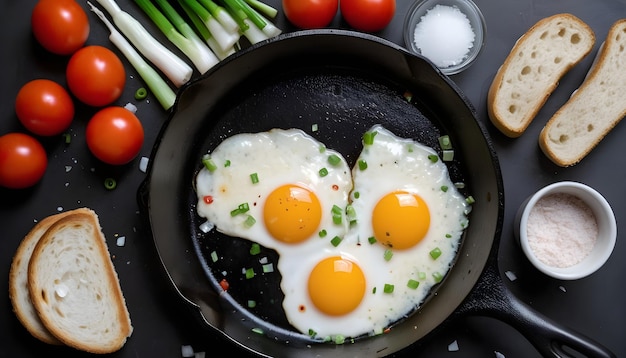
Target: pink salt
pixel 562 230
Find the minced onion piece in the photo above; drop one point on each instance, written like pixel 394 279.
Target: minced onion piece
pixel 162 91
pixel 453 347
pixel 143 164
pixel 130 107
pixel 121 241
pixel 206 227
pixel 177 70
pixel 444 142
pixel 186 351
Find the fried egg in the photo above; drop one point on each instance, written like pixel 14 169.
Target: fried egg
pixel 359 248
pixel 277 188
pixel 407 218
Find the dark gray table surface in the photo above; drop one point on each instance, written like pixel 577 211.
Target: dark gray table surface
pixel 594 306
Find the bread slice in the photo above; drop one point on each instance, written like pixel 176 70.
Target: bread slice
pixel 74 287
pixel 594 109
pixel 18 282
pixel 533 69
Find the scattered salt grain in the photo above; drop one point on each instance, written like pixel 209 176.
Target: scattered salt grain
pixel 61 290
pixel 453 347
pixel 131 107
pixel 121 241
pixel 444 35
pixel 511 275
pixel 499 355
pixel 562 288
pixel 562 230
pixel 186 351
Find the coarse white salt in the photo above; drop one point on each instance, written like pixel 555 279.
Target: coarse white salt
pixel 562 230
pixel 444 35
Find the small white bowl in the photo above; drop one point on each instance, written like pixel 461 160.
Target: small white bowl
pixel 448 65
pixel 607 230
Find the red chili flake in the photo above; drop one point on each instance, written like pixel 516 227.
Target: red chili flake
pixel 224 284
pixel 387 330
pixel 208 199
pixel 302 308
pixel 335 187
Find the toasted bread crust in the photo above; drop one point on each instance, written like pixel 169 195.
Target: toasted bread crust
pixel 18 282
pixel 525 80
pixel 93 291
pixel 594 109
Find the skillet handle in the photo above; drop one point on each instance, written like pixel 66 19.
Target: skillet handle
pixel 490 297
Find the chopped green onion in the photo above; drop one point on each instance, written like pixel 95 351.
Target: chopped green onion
pixel 374 290
pixel 242 208
pixel 368 138
pixel 448 155
pixel 470 200
pixel 334 159
pixel 372 240
pixel 336 214
pixel 251 303
pixel 249 222
pixel 110 183
pixel 357 195
pixel 208 163
pixel 257 330
pixel 351 214
pixel 141 93
pixel 267 268
pixel 444 142
pixel 254 177
pixel 249 273
pixel 162 91
pixel 339 339
pixel 227 163
pixel 412 284
pixel 255 249
pixel 388 288
pixel 444 188
pixel 435 253
pixel 362 164
pixel 312 333
pixel 388 254
pixel 67 137
pixel 421 275
pixel 171 65
pixel 314 127
pixel 336 241
pixel 448 236
pixel 437 276
pixel 322 233
pixel 408 95
pixel 433 158
pixel 214 257
pixel 322 148
pixel 323 172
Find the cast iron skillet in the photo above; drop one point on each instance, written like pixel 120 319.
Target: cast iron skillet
pixel 343 82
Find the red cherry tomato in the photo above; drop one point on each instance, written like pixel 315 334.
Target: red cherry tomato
pixel 23 161
pixel 368 15
pixel 114 135
pixel 44 107
pixel 60 26
pixel 96 76
pixel 310 14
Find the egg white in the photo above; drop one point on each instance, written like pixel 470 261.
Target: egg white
pixel 291 156
pixel 392 163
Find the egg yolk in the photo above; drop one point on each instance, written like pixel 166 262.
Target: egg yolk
pixel 292 213
pixel 336 286
pixel 400 220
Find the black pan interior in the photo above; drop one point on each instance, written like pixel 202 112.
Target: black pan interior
pixel 343 83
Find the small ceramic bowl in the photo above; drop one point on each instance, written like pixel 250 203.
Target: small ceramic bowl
pixel 439 30
pixel 599 207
